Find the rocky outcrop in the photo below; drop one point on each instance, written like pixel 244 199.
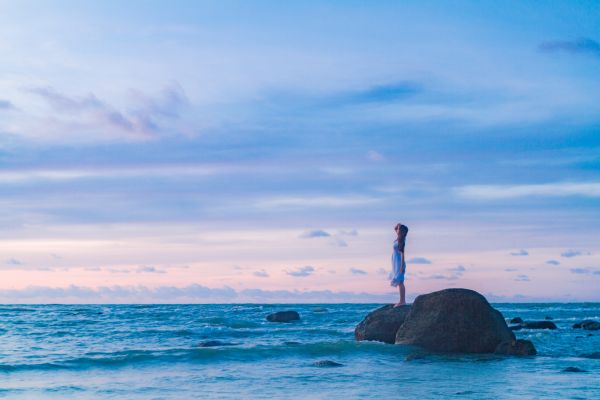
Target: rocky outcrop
pixel 382 324
pixel 573 369
pixel 539 325
pixel 455 320
pixel 327 364
pixel 588 324
pixel 215 343
pixel 591 326
pixel 517 347
pixel 283 316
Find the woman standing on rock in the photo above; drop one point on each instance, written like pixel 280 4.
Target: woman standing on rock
pixel 399 263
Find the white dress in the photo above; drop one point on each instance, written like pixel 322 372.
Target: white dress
pixel 398 266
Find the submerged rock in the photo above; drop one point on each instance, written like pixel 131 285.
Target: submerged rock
pixel 516 320
pixel 548 318
pixel 591 325
pixel 454 320
pixel 327 364
pixel 382 324
pixel 215 343
pixel 283 316
pixel 319 309
pixel 573 369
pixel 595 355
pixel 517 347
pixel 515 327
pixel 539 325
pixel 579 325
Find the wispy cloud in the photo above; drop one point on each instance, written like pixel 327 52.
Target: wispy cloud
pixel 375 156
pixel 315 234
pixel 149 269
pixel 14 261
pixel 453 274
pixel 585 270
pixel 419 260
pixel 301 272
pixel 522 278
pixel 357 271
pixel 351 232
pixel 261 274
pixel 584 46
pixel 552 262
pixel 385 93
pixel 293 202
pixel 559 189
pixel 171 294
pixel 574 253
pixel 6 105
pixel 521 252
pixel 147 117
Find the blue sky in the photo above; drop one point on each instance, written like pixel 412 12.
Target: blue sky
pixel 267 149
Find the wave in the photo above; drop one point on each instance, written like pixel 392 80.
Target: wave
pixel 211 354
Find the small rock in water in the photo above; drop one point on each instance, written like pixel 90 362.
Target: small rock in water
pixel 327 364
pixel 215 343
pixel 573 369
pixel 319 309
pixel 579 325
pixel 415 356
pixel 291 343
pixel 595 355
pixel 283 316
pixel 548 318
pixel 515 327
pixel 539 325
pixel 591 325
pixel 517 347
pixel 516 320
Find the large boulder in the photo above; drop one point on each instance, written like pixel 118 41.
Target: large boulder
pixel 382 324
pixel 454 320
pixel 283 316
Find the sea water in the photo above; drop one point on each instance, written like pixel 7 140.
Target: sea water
pixel 155 352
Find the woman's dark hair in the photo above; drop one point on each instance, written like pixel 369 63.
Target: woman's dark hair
pixel 402 231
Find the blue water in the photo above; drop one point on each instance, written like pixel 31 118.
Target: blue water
pixel 153 352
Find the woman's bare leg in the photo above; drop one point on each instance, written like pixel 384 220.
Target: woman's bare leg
pixel 402 293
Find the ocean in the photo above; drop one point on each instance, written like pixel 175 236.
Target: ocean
pixel 155 352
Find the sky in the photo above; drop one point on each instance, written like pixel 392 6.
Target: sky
pixel 186 151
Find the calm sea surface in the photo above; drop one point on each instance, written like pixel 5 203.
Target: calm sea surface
pixel 153 352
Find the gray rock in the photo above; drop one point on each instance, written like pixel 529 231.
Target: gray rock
pixel 283 316
pixel 382 324
pixel 215 343
pixel 538 325
pixel 516 320
pixel 579 324
pixel 591 325
pixel 517 347
pixel 594 355
pixel 327 364
pixel 515 327
pixel 573 369
pixel 454 320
